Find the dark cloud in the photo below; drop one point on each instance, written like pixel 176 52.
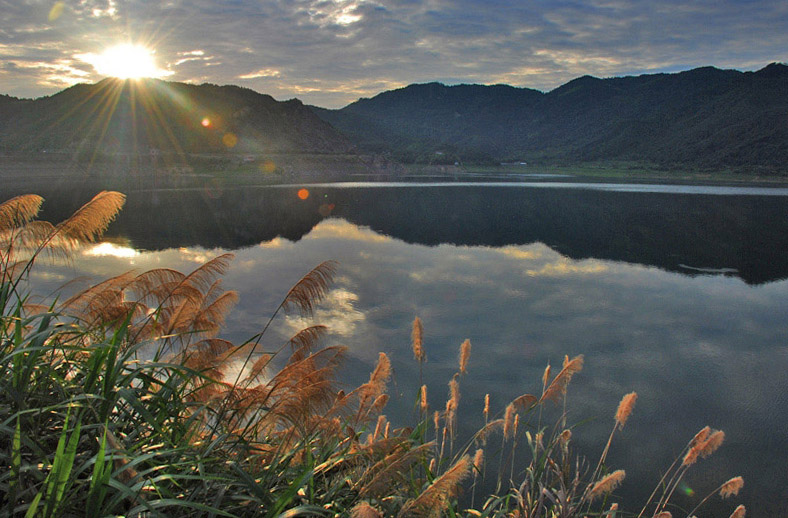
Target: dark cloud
pixel 329 52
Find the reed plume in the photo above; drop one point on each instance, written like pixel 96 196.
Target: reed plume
pixel 478 460
pixel 625 409
pixel 525 402
pixel 508 421
pixel 375 387
pixel 700 437
pixel 739 512
pixel 311 289
pixel 726 489
pixel 607 484
pixel 92 219
pixel 417 341
pixel 465 354
pixel 18 211
pixel 545 378
pixel 711 444
pixel 423 406
pixel 731 487
pixel 694 446
pixel 433 500
pixel 557 387
pixel 487 429
pixel 395 467
pixel 663 514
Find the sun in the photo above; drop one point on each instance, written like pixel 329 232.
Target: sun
pixel 126 61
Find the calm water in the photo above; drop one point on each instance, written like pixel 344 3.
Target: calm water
pixel 676 292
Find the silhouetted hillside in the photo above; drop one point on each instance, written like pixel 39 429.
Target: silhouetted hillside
pixel 704 117
pixel 157 116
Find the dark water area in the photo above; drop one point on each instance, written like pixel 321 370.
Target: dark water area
pixel 676 292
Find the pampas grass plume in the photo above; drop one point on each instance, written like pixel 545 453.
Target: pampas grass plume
pixel 417 337
pixel 508 421
pixel 739 512
pixel 607 484
pixel 625 409
pixel 711 444
pixel 465 354
pixel 478 460
pixel 731 487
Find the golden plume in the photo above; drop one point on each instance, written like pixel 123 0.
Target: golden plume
pixel 625 409
pixel 508 421
pixel 90 220
pixel 310 289
pixel 731 487
pixel 417 337
pixel 525 402
pixel 19 210
pixel 465 354
pixel 557 388
pixel 433 500
pixel 377 479
pixel 607 484
pixel 711 444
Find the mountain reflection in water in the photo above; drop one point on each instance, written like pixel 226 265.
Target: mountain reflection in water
pixel 676 296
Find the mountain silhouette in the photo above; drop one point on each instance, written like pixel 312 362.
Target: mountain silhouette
pixel 154 116
pixel 703 118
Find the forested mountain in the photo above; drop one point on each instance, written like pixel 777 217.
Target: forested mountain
pixel 149 116
pixel 704 117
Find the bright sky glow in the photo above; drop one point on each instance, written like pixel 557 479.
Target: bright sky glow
pixel 125 61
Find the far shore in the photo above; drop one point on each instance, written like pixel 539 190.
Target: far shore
pixel 18 173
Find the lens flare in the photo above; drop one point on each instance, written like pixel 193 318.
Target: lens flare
pixel 230 140
pixel 268 166
pixel 56 11
pixel 206 122
pixel 303 193
pixel 684 488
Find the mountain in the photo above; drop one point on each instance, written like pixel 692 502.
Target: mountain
pixel 705 117
pixel 149 116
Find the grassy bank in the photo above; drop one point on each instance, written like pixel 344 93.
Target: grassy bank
pixel 123 400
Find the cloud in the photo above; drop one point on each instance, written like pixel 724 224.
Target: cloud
pixel 330 52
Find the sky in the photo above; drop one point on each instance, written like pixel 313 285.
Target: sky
pixel 332 52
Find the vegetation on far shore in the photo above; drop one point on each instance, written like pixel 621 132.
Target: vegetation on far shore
pixel 121 400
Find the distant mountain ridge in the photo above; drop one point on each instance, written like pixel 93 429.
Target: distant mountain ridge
pixel 151 116
pixel 705 117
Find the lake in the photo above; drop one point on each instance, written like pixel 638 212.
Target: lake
pixel 676 292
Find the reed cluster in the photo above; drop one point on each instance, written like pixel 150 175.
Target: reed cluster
pixel 122 400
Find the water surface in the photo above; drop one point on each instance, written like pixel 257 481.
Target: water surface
pixel 676 292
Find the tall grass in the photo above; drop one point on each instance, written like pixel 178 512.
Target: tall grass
pixel 122 400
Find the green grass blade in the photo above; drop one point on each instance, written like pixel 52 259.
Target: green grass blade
pixel 63 471
pixel 288 495
pixel 16 457
pixel 98 480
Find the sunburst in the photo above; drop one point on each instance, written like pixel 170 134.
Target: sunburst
pixel 126 61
